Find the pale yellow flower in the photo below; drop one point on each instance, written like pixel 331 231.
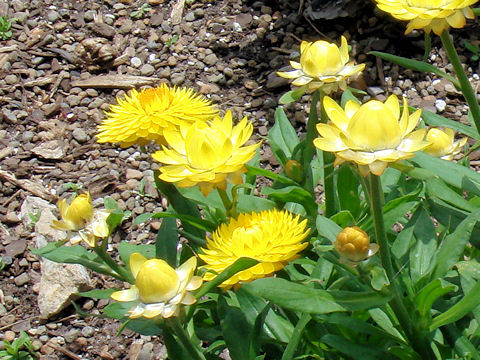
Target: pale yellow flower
pixel 436 15
pixel 322 65
pixel 370 135
pixel 272 237
pixel 443 144
pixel 353 244
pixel 81 220
pixel 206 153
pixel 142 117
pixel 159 289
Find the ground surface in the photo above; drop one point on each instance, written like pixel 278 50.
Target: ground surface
pixel 227 49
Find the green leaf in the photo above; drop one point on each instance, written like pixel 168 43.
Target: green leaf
pixel 454 244
pixel 348 95
pixel 211 200
pixel 327 228
pixel 355 351
pixel 239 265
pixel 76 254
pixel 431 292
pixel 422 254
pixel 126 249
pixel 97 293
pixel 292 95
pixel 118 310
pixel 293 194
pixel 166 242
pixel 433 119
pixel 236 331
pixel 415 65
pixel 437 188
pixel 282 137
pixel 379 278
pixel 275 326
pixel 249 203
pixel 196 222
pixel 469 302
pixel 444 169
pixel 382 320
pixel 303 298
pixel 180 204
pixel 252 170
pixel 347 190
pixel 297 335
pixel 146 327
pixel 174 349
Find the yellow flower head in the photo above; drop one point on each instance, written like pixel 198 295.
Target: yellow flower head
pixel 443 144
pixel 353 244
pixel 370 135
pixel 206 153
pixel 272 237
pixel 143 116
pixel 436 15
pixel 80 217
pixel 159 289
pixel 322 65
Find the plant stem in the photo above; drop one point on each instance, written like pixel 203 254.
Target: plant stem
pixel 328 183
pixel 467 89
pixel 230 207
pixel 101 251
pixel 185 339
pixel 309 149
pixel 417 340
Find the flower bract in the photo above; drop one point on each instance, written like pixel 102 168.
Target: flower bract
pixel 370 135
pixel 353 244
pixel 206 153
pixel 443 144
pixel 143 116
pixel 272 237
pixel 430 15
pixel 322 65
pixel 159 289
pixel 82 220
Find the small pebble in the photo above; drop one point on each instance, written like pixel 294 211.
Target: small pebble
pixel 440 105
pixel 136 62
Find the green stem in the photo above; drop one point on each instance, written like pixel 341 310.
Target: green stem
pixel 101 251
pixel 328 183
pixel 230 207
pixel 417 340
pixel 295 339
pixel 309 149
pixel 184 338
pixel 467 89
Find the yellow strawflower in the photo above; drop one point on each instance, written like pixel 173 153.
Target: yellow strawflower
pixel 322 65
pixel 142 117
pixel 436 15
pixel 80 218
pixel 206 153
pixel 272 237
pixel 353 244
pixel 443 144
pixel 159 289
pixel 370 135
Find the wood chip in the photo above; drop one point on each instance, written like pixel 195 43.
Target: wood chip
pixel 5 152
pixel 31 186
pixel 115 81
pixel 41 81
pixel 5 49
pixel 177 12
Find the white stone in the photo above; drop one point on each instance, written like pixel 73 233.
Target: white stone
pixel 440 105
pixel 136 61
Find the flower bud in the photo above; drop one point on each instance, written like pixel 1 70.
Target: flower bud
pixel 443 144
pixel 156 281
pixel 353 244
pixel 294 170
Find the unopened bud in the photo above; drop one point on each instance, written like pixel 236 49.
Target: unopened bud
pixel 353 244
pixel 294 170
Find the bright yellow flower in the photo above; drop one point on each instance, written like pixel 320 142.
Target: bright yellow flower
pixel 370 135
pixel 443 144
pixel 436 15
pixel 159 289
pixel 272 237
pixel 206 153
pixel 322 65
pixel 81 218
pixel 143 116
pixel 353 244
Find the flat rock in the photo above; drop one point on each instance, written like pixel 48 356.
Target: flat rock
pixel 33 205
pixel 16 247
pixel 103 29
pixel 53 150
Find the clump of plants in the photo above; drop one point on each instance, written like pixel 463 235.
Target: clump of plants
pixel 383 265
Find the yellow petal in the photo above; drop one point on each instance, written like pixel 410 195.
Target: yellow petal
pixel 125 295
pixel 156 281
pixel 135 262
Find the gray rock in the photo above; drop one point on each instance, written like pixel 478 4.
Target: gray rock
pixel 80 135
pixel 103 29
pixel 27 136
pixel 53 149
pixel 190 16
pixel 34 205
pixel 52 15
pixel 22 279
pixel 71 335
pixel 18 5
pixel 88 331
pixel 134 174
pixel 274 81
pixel 147 70
pixel 178 78
pixel 11 79
pixel 211 59
pixel 375 90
